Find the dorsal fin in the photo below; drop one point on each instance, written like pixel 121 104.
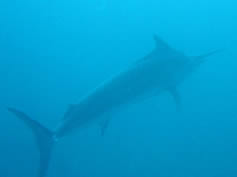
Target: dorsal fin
pixel 161 44
pixel 162 50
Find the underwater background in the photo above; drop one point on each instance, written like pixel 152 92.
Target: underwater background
pixel 53 52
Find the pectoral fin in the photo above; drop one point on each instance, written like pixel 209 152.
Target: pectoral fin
pixel 175 94
pixel 104 126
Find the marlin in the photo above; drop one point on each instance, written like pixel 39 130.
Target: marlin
pixel 163 69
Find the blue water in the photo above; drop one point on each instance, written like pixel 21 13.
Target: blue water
pixel 53 52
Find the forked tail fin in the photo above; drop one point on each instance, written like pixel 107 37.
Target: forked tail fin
pixel 44 139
